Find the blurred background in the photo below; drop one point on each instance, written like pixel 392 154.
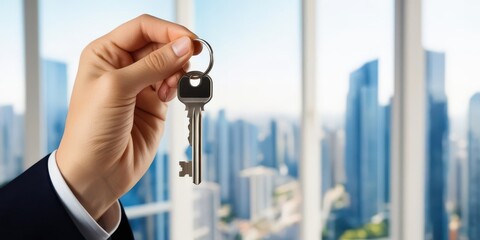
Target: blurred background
pixel 252 187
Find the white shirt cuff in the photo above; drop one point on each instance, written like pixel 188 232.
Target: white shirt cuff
pixel 90 228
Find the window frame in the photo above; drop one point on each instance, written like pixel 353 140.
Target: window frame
pixel 309 170
pixel 408 125
pixel 408 140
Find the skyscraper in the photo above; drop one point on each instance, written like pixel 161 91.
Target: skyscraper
pixel 292 163
pixel 270 147
pixel 361 144
pixel 11 143
pixel 162 194
pixel 473 194
pixel 143 192
pixel 326 167
pixel 243 154
pixel 205 218
pixel 6 143
pixel 210 163
pixel 262 185
pixel 456 176
pixel 54 92
pixel 18 144
pixel 437 142
pixel 384 155
pixel 222 151
pixel 332 168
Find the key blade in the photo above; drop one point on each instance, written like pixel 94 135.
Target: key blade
pixel 191 108
pixel 190 116
pixel 197 145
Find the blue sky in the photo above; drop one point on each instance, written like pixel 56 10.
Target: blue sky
pixel 453 27
pixel 257 46
pixel 11 55
pixel 257 51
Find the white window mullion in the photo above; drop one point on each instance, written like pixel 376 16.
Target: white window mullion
pixel 33 105
pixel 310 152
pixel 181 189
pixel 408 126
pixel 147 209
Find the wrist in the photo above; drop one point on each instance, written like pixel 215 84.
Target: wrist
pixel 88 187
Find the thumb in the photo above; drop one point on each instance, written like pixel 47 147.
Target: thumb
pixel 158 65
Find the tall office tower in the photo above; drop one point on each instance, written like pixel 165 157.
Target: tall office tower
pixel 54 92
pixel 243 154
pixel 326 167
pixel 473 195
pixel 437 142
pixel 18 144
pixel 162 195
pixel 384 155
pixel 270 149
pixel 6 143
pixel 361 144
pixel 288 150
pixel 261 190
pixel 292 163
pixel 456 162
pixel 332 167
pixel 210 163
pixel 144 192
pixel 222 151
pixel 205 218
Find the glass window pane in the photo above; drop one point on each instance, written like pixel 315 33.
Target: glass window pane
pixel 60 53
pixel 451 36
pixel 12 90
pixel 151 227
pixel 354 94
pixel 251 127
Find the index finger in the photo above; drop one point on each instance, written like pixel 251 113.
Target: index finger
pixel 145 29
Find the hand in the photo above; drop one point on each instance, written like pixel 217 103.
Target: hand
pixel 118 108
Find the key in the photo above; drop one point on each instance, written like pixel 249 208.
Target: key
pixel 194 98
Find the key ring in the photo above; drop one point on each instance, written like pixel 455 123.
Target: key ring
pixel 210 64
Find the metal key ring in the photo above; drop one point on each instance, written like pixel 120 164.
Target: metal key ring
pixel 210 64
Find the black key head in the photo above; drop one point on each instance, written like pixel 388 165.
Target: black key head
pixel 202 93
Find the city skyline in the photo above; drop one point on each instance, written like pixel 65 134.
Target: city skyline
pixel 473 192
pixel 362 144
pixel 437 131
pixel 248 145
pixel 252 133
pixel 335 43
pixel 54 93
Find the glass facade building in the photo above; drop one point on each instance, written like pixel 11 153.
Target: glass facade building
pixel 54 80
pixel 251 129
pixel 472 213
pixel 437 147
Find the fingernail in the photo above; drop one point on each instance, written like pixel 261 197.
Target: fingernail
pixel 181 46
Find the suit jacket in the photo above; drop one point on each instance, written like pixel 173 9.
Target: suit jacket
pixel 31 209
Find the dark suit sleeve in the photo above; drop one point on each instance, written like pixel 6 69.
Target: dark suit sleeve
pixel 31 209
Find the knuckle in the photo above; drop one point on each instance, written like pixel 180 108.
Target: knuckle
pixel 88 49
pixel 144 16
pixel 92 48
pixel 183 28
